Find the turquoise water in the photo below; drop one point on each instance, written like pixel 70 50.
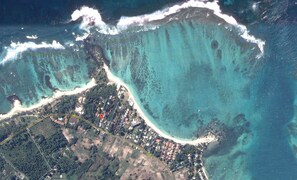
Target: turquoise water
pixel 183 81
pixel 179 79
pixel 67 70
pixel 268 150
pixel 277 91
pixel 25 75
pixel 185 74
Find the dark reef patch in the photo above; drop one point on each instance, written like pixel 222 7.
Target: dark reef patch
pixel 219 54
pixel 95 52
pixel 13 98
pixel 214 44
pixel 227 136
pixel 48 83
pixel 292 128
pixel 147 108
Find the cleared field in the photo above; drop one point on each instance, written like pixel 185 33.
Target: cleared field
pixel 45 128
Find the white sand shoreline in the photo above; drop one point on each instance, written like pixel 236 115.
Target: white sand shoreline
pixel 18 108
pixel 206 139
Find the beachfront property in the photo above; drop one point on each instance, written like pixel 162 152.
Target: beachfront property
pixel 121 119
pixel 115 115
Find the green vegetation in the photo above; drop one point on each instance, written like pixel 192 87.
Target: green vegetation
pixel 106 168
pixel 135 154
pixel 66 165
pixel 101 77
pixel 14 126
pixel 2 163
pixel 83 168
pixel 6 171
pixel 23 153
pixel 94 96
pixel 53 143
pixel 4 133
pixel 73 146
pixel 66 105
pixel 51 140
pixel 81 156
pixel 45 128
pixel 84 125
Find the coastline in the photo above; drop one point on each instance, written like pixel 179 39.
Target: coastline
pixel 206 139
pixel 17 107
pixel 92 16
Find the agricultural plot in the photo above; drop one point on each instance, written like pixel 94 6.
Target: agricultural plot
pixel 45 128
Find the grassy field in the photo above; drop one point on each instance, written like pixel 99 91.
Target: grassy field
pixel 77 153
pixel 45 128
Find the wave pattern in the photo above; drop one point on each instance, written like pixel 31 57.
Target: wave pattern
pixel 184 72
pixel 37 73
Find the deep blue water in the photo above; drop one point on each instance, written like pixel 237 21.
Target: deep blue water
pixel 57 11
pixel 271 155
pixel 263 89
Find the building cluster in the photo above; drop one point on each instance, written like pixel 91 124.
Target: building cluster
pixel 71 120
pixel 79 105
pixel 117 116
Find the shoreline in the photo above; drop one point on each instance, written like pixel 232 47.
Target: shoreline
pixel 206 139
pixel 18 108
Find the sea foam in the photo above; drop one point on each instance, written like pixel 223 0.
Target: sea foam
pixel 32 37
pixel 18 108
pixel 16 49
pixel 91 17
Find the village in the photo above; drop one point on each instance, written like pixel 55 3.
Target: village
pixel 116 115
pixel 107 112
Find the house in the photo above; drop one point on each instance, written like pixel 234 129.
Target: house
pixel 73 120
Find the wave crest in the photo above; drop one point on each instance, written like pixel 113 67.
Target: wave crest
pixel 16 49
pixel 91 17
pixel 32 37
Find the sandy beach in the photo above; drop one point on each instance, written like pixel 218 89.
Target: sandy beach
pixel 18 108
pixel 206 139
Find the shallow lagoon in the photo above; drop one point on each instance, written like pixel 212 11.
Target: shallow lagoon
pixel 178 77
pixel 25 75
pixel 184 72
pixel 183 80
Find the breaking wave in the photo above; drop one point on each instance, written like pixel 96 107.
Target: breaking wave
pixel 32 37
pixel 91 17
pixel 14 51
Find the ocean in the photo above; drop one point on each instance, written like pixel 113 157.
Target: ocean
pixel 33 68
pixel 190 67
